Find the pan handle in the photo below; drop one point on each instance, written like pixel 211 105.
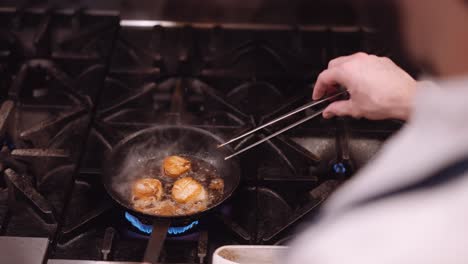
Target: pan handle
pixel 156 241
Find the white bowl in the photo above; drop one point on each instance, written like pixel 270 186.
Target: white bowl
pixel 248 254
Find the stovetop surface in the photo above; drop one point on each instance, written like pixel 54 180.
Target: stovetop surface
pixel 73 84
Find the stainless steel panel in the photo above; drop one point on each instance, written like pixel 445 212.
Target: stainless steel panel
pixel 25 250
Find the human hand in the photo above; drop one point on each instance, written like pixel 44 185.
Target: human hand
pixel 378 88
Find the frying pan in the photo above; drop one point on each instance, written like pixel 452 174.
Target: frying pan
pixel 130 155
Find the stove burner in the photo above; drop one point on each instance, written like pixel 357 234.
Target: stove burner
pixel 177 230
pixel 8 142
pixel 339 168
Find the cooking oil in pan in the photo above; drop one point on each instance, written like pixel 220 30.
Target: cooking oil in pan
pixel 201 171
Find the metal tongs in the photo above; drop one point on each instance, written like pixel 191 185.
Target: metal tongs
pixel 293 112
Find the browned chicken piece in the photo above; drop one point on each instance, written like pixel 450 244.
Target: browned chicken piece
pixel 147 188
pixel 187 190
pixel 217 184
pixel 174 166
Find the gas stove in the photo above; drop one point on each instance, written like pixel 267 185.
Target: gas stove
pixel 75 82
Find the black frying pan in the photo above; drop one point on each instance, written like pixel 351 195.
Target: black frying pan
pixel 130 154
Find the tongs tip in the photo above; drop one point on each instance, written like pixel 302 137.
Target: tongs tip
pixel 295 111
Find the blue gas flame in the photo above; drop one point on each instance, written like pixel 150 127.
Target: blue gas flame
pixel 339 168
pixel 148 228
pixel 7 141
